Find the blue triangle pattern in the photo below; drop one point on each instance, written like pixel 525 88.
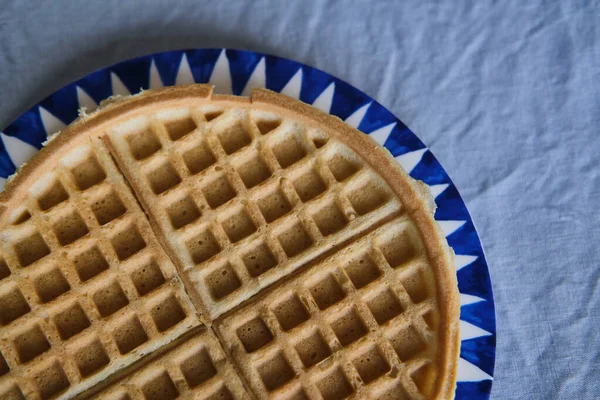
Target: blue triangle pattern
pixel 314 82
pixel 97 85
pixel 7 167
pixel 167 64
pixel 428 170
pixel 479 314
pixel 29 128
pixel 241 65
pixel 135 74
pixel 279 72
pixel 202 63
pixel 450 205
pixel 63 104
pixel 474 279
pixel 377 117
pixel 346 100
pixel 464 240
pixel 402 141
pixel 480 352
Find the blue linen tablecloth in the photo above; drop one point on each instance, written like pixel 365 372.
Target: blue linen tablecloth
pixel 506 95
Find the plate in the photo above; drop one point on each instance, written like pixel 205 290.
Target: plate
pixel 237 72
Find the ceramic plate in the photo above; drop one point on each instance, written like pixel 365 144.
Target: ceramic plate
pixel 237 72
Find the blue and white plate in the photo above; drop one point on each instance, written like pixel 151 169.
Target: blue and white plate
pixel 237 72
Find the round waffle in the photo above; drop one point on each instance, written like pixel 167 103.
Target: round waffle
pixel 178 242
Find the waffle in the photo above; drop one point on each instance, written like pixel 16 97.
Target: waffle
pixel 171 214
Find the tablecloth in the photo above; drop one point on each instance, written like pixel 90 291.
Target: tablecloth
pixel 506 95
